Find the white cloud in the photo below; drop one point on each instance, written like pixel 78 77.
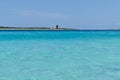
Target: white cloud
pixel 38 14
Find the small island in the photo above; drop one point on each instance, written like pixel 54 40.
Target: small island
pixel 35 28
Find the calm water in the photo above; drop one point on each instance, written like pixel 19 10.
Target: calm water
pixel 59 55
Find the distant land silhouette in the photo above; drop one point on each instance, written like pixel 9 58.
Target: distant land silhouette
pixel 35 28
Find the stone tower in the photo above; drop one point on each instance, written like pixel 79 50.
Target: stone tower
pixel 57 27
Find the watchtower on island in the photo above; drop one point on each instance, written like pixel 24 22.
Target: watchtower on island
pixel 57 27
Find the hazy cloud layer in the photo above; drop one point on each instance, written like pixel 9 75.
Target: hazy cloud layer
pixel 38 14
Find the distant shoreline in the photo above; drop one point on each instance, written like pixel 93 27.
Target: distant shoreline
pixel 51 29
pixel 34 28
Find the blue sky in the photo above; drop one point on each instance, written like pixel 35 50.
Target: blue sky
pixel 84 14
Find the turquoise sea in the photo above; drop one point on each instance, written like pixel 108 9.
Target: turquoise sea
pixel 59 55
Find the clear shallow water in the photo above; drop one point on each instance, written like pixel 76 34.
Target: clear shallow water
pixel 59 55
